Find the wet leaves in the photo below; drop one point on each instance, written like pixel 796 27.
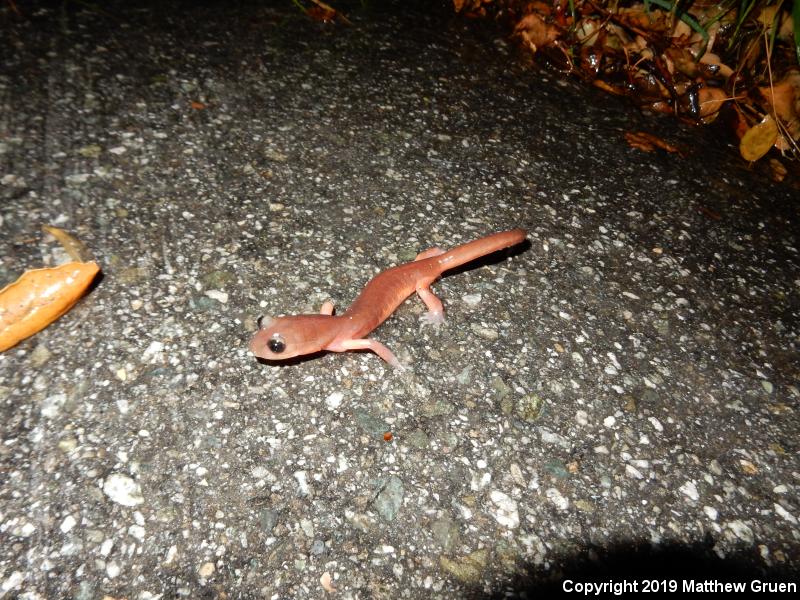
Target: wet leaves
pixel 693 60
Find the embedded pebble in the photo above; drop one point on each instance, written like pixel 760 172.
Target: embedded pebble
pixel 467 569
pixel 445 533
pixel 154 348
pixel 122 490
pixel 302 482
pixel 206 570
pixel 51 406
pixel 67 524
pixel 785 514
pixel 472 300
pixel 549 437
pixel 40 355
pixel 13 581
pixel 741 530
pixel 484 332
pixel 507 513
pixel 529 407
pixel 689 489
pixel 560 501
pixel 113 569
pixel 77 178
pixel 390 498
pixel 217 295
pixel 334 400
pixel 633 472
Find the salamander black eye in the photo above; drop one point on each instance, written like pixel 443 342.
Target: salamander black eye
pixel 276 343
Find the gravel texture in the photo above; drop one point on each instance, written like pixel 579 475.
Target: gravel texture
pixel 617 396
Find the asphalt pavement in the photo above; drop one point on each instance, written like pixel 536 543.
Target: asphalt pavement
pixel 614 401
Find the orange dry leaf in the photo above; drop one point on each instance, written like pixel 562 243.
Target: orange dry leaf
pixel 39 297
pixel 648 142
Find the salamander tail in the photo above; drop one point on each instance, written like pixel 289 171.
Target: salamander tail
pixel 468 252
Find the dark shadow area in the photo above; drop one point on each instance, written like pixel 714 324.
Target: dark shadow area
pixel 290 362
pixel 647 566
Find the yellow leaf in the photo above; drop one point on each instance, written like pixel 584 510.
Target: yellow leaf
pixel 757 141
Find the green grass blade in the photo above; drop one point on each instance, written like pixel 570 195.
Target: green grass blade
pixel 796 18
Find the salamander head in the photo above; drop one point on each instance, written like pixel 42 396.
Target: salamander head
pixel 286 337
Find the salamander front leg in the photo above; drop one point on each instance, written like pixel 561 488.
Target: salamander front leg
pixel 377 348
pixel 327 308
pixel 435 314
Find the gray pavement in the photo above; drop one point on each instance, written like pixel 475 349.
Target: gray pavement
pixel 618 397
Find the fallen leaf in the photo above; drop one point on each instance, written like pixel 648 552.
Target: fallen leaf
pixel 323 15
pixel 784 97
pixel 649 142
pixel 712 60
pixel 39 297
pixel 607 87
pixel 535 32
pixel 777 170
pixel 74 247
pixel 757 141
pixel 710 100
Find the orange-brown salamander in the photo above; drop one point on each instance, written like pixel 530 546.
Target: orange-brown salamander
pixel 286 337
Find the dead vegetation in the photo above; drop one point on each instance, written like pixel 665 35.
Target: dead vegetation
pixel 698 60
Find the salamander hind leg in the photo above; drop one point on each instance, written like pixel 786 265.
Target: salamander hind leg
pixel 435 314
pixel 327 308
